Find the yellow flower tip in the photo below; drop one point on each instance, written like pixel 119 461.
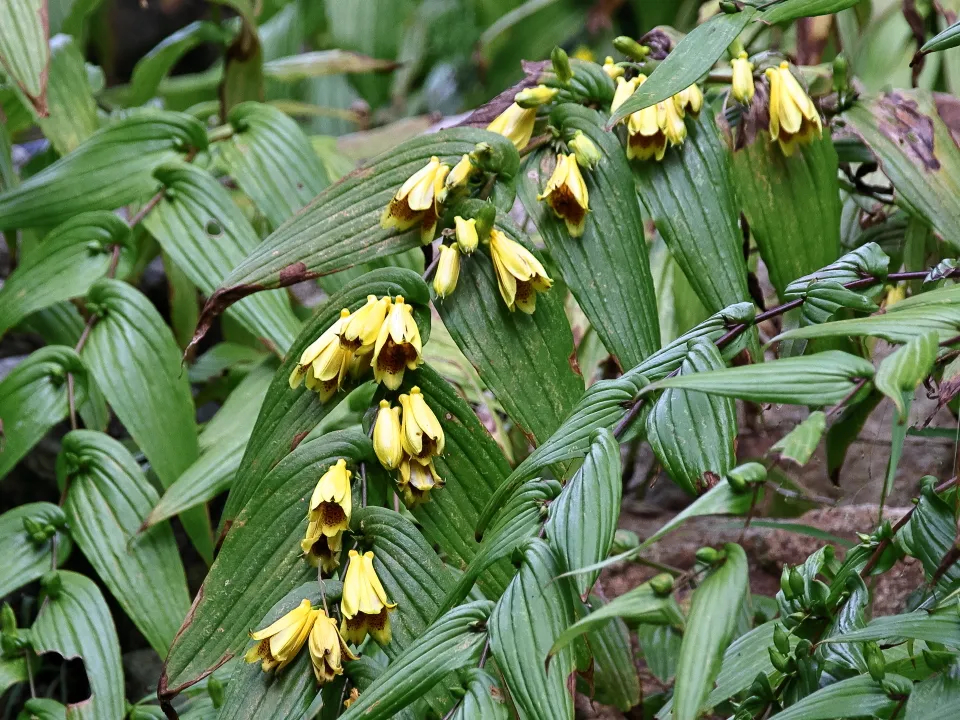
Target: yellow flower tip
pixel 516 124
pixel 421 433
pixel 278 643
pixel 448 270
pixel 689 100
pixel 417 199
pixel 327 649
pixel 354 696
pixel 612 70
pixel 794 119
pixel 625 88
pixel 360 331
pixel 417 478
pixel 364 605
pixel 535 97
pixel 742 87
pixel 398 346
pixel 466 232
pixel 671 122
pixel 386 436
pixel 566 194
pixel 520 276
pixel 584 53
pixel 460 175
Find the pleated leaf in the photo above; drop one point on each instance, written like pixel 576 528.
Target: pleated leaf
pixel 940 627
pixel 903 370
pixel 77 624
pixel 71 110
pixel 207 235
pixel 856 696
pixel 930 534
pixel 258 564
pixel 583 519
pixel 787 10
pixel 694 434
pixel 25 558
pixel 615 678
pixel 23 47
pixel 112 168
pixel 608 268
pixel 484 698
pixel 63 266
pixel 867 260
pixel 33 398
pixel 895 327
pixel 108 499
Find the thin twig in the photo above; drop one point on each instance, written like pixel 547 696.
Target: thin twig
pixel 33 688
pixel 535 144
pixel 843 403
pixel 432 267
pixel 145 210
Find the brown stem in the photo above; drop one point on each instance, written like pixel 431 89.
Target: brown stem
pixel 536 143
pixel 843 403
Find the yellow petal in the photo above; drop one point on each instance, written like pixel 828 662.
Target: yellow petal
pixel 386 436
pixel 295 616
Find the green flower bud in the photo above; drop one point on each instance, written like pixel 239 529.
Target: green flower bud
pixel 561 65
pixel 780 639
pixel 588 154
pixel 52 584
pixel 215 690
pixel 535 96
pixel 785 583
pixel 797 583
pixel 730 8
pixel 803 648
pixel 896 686
pixel 662 584
pixel 631 48
pixel 8 620
pixel 624 540
pixel 779 661
pixel 707 555
pixel 840 76
pixel 486 217
pixel 876 663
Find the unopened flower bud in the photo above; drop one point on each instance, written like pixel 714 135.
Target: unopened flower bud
pixel 448 270
pixel 840 76
pixel 466 232
pixel 8 620
pixel 52 584
pixel 586 152
pixel 785 583
pixel 780 640
pixel 631 48
pixel 612 70
pixel 797 583
pixel 876 664
pixel 780 662
pixel 535 97
pixel 707 555
pixel 215 690
pixel 561 65
pixel 662 584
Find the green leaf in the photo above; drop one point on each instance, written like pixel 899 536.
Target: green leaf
pixel 114 167
pixel 157 64
pixel 938 696
pixel 252 693
pixel 46 709
pixel 527 619
pixel 799 444
pixel 341 227
pixel 903 370
pixel 821 379
pixel 77 624
pixel 242 78
pixel 288 415
pixel 33 398
pixel 823 299
pixel 362 674
pixel 524 359
pixel 894 327
pixel 72 111
pixel 454 641
pixel 64 265
pixel 787 10
pixel 259 562
pixel 716 604
pixel 867 260
pixel 272 161
pixel 944 40
pixel 182 298
pixel 940 627
pixel 744 659
pixel 484 698
pixel 691 199
pixel 693 434
pixel 690 60
pixel 319 63
pixel 23 47
pixel 931 533
pixel 207 235
pixel 107 499
pixel 608 268
pixel 25 558
pixel 856 696
pixel 640 605
pixel 615 676
pixel 917 153
pixel 13 671
pixel 791 204
pixel 583 519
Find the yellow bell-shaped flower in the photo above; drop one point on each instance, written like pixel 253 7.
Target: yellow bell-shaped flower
pixel 535 96
pixel 398 345
pixel 612 70
pixel 461 173
pixel 278 643
pixel 364 604
pixel 387 443
pixel 321 550
pixel 448 270
pixel 566 194
pixel 417 479
pixel 516 124
pixel 670 119
pixel 689 100
pixel 327 649
pixel 645 134
pixel 466 232
pixel 421 434
pixel 331 502
pixel 794 119
pixel 416 201
pixel 362 327
pixel 742 87
pixel 520 276
pixel 325 362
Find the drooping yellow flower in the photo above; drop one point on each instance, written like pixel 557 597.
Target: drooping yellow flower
pixel 670 119
pixel 278 643
pixel 645 128
pixel 422 436
pixel 520 276
pixel 331 502
pixel 416 480
pixel 387 443
pixel 362 327
pixel 612 70
pixel 322 551
pixel 742 87
pixel 327 649
pixel 325 362
pixel 398 345
pixel 689 100
pixel 535 96
pixel 416 201
pixel 516 124
pixel 448 270
pixel 566 194
pixel 364 605
pixel 461 173
pixel 466 231
pixel 794 119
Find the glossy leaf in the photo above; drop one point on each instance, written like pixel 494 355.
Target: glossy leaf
pixel 607 269
pixel 583 519
pixel 930 534
pixel 71 110
pixel 787 10
pixel 207 235
pixel 132 355
pixel 362 674
pixel 484 698
pixel 526 621
pixel 690 60
pixel 903 370
pixel 26 559
pixel 713 615
pixel 690 197
pixel 940 627
pixel 259 562
pixel 917 153
pixel 288 415
pixel 63 266
pixel 938 696
pixel 33 398
pixel 861 695
pixel 798 236
pixel 454 641
pixel 77 624
pixel 693 434
pixel 799 444
pixel 272 161
pixel 114 167
pixel 866 260
pixel 13 672
pixel 107 500
pixel 744 659
pixel 944 40
pixel 23 47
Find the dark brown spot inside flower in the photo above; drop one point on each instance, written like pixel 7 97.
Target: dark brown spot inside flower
pixel 400 209
pixel 394 357
pixel 566 206
pixel 332 515
pixel 376 622
pixel 524 292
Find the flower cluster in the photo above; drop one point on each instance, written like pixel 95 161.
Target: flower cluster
pixel 651 129
pixel 328 515
pixel 381 335
pixel 407 439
